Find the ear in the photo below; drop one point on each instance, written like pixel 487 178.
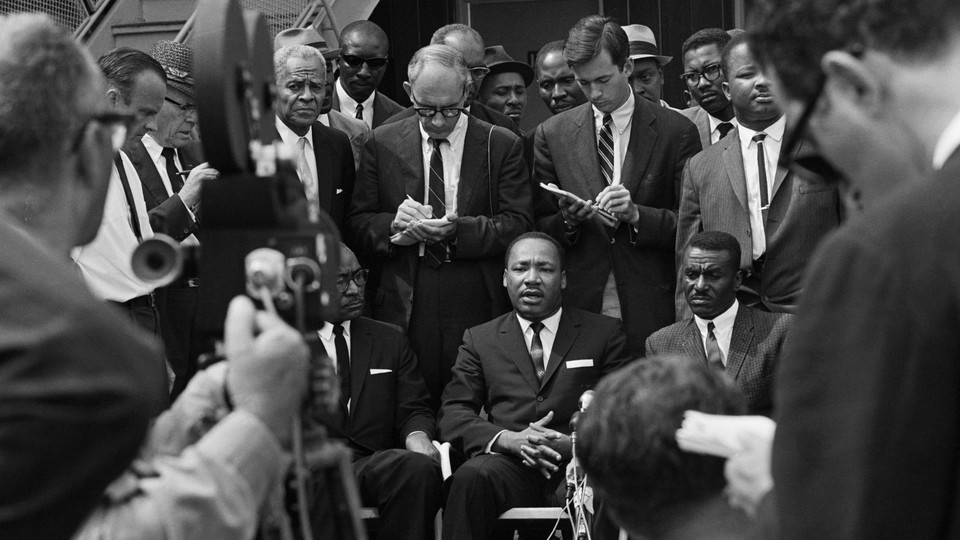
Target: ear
pixel 563 279
pixel 725 86
pixel 504 277
pixel 408 89
pixel 737 280
pixel 628 67
pixel 113 96
pixel 850 80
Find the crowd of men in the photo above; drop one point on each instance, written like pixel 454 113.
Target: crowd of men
pixel 707 257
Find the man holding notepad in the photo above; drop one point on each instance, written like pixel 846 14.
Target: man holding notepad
pixel 624 156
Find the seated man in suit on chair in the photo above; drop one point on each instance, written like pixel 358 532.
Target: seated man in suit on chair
pixel 730 337
pixel 527 369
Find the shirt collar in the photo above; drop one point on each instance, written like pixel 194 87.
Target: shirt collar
pixel 455 138
pixel 326 333
pixel 774 131
pixel 551 323
pixel 948 143
pixel 714 122
pixel 346 99
pixel 153 147
pixel 721 322
pixel 289 137
pixel 621 116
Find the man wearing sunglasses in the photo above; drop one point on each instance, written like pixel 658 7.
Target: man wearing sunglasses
pixel 363 61
pixel 736 187
pixel 440 196
pixel 703 79
pixel 866 394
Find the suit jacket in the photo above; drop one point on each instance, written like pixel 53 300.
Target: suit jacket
pixel 477 110
pixel 494 372
pixel 800 214
pixel 661 141
pixel 755 347
pixel 388 398
pixel 335 171
pixel 701 119
pixel 493 207
pixel 168 214
pixel 356 130
pixel 383 107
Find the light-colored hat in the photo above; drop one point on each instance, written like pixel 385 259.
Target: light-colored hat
pixel 644 45
pixel 177 61
pixel 305 36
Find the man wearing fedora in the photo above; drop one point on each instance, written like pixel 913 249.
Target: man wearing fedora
pixel 647 77
pixel 363 61
pixel 357 131
pixel 504 88
pixel 171 179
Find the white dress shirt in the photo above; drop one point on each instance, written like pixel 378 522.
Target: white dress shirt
pixel 548 334
pixel 715 124
pixel 452 154
pixel 947 144
pixel 622 118
pixel 348 105
pixel 722 329
pixel 105 263
pixel 154 150
pixel 771 153
pixel 293 140
pixel 327 337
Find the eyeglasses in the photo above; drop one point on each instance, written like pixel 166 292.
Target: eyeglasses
pixel 185 108
pixel 118 124
pixel 355 61
pixel 430 112
pixel 359 277
pixel 710 73
pixel 479 72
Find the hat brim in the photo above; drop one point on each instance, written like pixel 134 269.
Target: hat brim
pixel 182 87
pixel 332 54
pixel 524 70
pixel 662 60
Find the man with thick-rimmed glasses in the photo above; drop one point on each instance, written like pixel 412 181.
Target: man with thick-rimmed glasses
pixel 703 78
pixel 439 196
pixel 364 50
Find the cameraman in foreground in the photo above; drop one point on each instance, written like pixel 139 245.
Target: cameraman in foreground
pixel 78 382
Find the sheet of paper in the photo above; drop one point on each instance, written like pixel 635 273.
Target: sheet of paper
pixel 605 217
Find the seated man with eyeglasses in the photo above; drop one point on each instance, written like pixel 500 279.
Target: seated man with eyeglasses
pixel 363 61
pixel 439 197
pixel 703 79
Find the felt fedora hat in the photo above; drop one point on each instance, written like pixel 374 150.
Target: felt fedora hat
pixel 498 61
pixel 643 44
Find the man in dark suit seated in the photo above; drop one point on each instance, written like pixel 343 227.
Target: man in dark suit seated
pixel 527 369
pixel 324 157
pixel 724 334
pixel 385 416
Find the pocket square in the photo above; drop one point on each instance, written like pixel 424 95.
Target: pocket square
pixel 379 371
pixel 339 191
pixel 573 364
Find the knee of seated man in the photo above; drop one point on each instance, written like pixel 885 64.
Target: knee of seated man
pixel 478 469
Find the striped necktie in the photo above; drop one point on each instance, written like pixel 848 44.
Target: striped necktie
pixel 605 149
pixel 436 254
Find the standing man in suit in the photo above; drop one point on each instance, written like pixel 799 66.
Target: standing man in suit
pixel 728 336
pixel 385 414
pixel 324 158
pixel 440 197
pixel 713 114
pixel 527 369
pixel 627 154
pixel 364 50
pixel 876 334
pixel 780 222
pixel 504 88
pixel 173 198
pixel 557 83
pixel 357 130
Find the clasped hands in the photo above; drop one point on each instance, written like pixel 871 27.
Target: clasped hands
pixel 614 199
pixel 540 448
pixel 411 219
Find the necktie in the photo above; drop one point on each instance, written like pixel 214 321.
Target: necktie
pixel 605 149
pixel 128 194
pixel 724 128
pixel 176 181
pixel 359 115
pixel 762 170
pixel 536 350
pixel 435 254
pixel 309 184
pixel 343 365
pixel 714 355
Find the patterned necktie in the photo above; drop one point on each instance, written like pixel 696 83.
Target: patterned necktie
pixel 714 354
pixel 762 173
pixel 359 115
pixel 724 128
pixel 536 350
pixel 435 254
pixel 343 365
pixel 176 181
pixel 605 149
pixel 309 184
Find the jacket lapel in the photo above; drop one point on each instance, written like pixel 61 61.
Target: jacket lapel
pixel 360 353
pixel 325 183
pixel 740 341
pixel 410 152
pixel 473 165
pixel 782 172
pixel 643 136
pixel 733 165
pixel 516 349
pixel 585 145
pixel 693 342
pixel 567 332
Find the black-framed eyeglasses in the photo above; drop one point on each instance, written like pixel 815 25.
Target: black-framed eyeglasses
pixel 118 124
pixel 430 112
pixel 479 72
pixel 354 61
pixel 185 108
pixel 359 277
pixel 710 73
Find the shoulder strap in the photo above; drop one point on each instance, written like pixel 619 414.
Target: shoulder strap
pixel 128 193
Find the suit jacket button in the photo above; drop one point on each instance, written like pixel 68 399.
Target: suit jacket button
pixel 539 398
pixel 613 240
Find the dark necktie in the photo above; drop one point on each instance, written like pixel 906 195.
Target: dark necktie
pixel 435 254
pixel 724 128
pixel 714 355
pixel 536 350
pixel 605 149
pixel 762 170
pixel 359 115
pixel 128 194
pixel 176 181
pixel 343 365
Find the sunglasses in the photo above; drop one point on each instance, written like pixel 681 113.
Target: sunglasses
pixel 118 124
pixel 355 61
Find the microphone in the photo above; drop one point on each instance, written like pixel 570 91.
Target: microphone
pixel 584 402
